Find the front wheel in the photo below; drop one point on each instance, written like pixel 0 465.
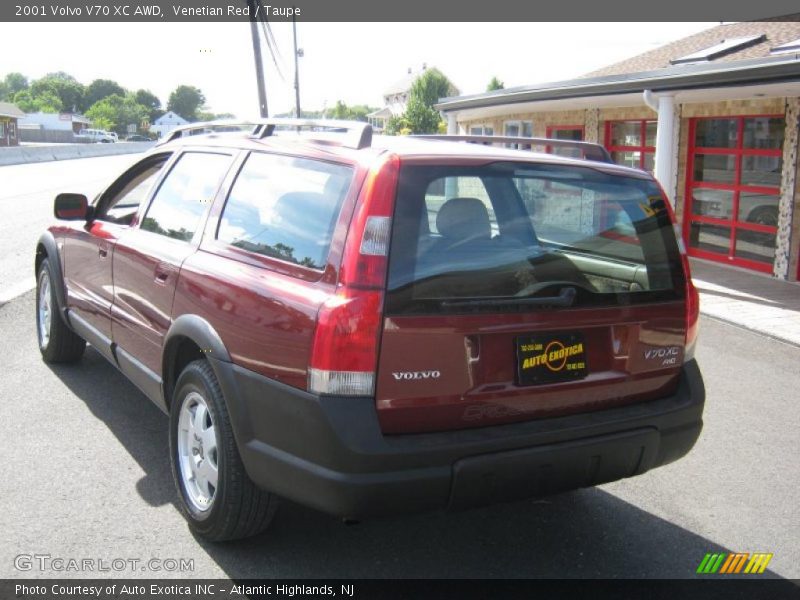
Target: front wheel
pixel 217 497
pixel 57 342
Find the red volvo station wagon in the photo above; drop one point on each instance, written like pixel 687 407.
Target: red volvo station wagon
pixel 371 327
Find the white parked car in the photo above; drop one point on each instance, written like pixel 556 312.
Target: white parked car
pixel 97 136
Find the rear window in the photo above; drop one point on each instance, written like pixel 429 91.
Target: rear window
pixel 496 237
pixel 285 208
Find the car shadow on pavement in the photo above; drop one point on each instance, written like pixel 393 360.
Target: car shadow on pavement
pixel 136 422
pixel 588 533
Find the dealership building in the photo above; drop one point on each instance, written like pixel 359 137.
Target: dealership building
pixel 713 116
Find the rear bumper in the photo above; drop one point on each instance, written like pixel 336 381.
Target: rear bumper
pixel 329 453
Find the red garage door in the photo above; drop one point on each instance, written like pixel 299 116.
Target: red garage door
pixel 733 187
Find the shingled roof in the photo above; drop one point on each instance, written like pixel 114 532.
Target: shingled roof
pixel 777 32
pixel 9 110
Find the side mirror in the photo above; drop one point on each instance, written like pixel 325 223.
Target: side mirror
pixel 72 207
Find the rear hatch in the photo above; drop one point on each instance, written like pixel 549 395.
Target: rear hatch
pixel 521 290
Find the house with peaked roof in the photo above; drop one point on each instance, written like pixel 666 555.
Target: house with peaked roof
pixel 395 98
pixel 714 116
pixel 167 122
pixel 9 117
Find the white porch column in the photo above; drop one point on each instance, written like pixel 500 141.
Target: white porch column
pixel 665 145
pixel 452 123
pixel 450 188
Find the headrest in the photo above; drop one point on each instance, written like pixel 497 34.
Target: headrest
pixel 464 218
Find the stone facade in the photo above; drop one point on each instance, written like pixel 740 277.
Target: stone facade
pixel 788 243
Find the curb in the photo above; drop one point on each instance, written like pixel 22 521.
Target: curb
pixel 761 332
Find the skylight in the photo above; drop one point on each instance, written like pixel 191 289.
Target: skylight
pixel 721 49
pixel 793 46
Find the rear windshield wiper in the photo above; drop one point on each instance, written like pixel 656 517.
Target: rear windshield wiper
pixel 566 297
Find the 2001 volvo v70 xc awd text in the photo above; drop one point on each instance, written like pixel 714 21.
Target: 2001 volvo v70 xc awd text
pixel 375 327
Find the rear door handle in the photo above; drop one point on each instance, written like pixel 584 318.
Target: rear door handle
pixel 162 273
pixel 102 251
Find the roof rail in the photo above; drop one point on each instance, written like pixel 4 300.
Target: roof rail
pixel 359 134
pixel 204 127
pixel 590 151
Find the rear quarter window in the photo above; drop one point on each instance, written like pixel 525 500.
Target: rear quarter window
pixel 285 208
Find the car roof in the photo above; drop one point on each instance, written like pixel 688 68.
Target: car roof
pixel 324 145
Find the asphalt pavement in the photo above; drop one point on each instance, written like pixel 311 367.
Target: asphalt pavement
pixel 86 476
pixel 27 195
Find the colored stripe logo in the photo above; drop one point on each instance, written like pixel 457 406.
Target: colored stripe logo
pixel 733 563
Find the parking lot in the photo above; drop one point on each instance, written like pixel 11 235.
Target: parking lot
pixel 87 476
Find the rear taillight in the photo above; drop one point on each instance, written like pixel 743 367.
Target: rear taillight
pixel 692 297
pixel 344 352
pixel 692 310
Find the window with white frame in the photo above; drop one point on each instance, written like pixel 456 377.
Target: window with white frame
pixel 518 129
pixel 481 130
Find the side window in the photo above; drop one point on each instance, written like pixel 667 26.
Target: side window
pixel 285 208
pixel 124 204
pixel 179 203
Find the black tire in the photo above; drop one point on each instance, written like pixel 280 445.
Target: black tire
pixel 237 508
pixel 764 215
pixel 61 344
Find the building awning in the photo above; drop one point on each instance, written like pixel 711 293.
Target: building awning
pixel 686 77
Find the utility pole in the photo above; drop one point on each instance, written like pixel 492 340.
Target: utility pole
pixel 297 55
pixel 262 90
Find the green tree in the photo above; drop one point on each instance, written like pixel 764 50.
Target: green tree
pixel 116 112
pixel 186 100
pixel 68 90
pixel 99 89
pixel 357 112
pixel 397 125
pixel 210 116
pixel 151 101
pixel 430 86
pixel 339 110
pixel 46 101
pixel 13 83
pixel 420 115
pixel 495 84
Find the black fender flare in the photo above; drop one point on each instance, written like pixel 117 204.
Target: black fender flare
pixel 47 242
pixel 202 333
